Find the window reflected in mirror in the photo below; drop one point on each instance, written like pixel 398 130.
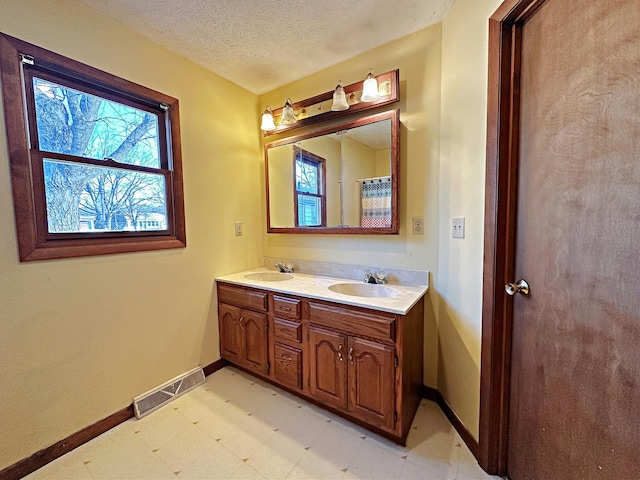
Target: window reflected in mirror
pixel 309 196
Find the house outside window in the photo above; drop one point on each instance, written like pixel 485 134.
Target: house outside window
pixel 309 189
pixel 95 159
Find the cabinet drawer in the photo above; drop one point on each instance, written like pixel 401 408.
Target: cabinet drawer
pixel 287 329
pixel 286 307
pixel 288 365
pixel 378 326
pixel 242 297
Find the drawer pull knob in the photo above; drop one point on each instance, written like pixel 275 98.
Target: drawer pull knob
pixel 340 353
pixel 286 357
pixel 284 330
pixel 286 309
pixel 351 355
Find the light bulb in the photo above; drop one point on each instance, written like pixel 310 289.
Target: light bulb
pixel 267 120
pixel 370 89
pixel 339 99
pixel 288 115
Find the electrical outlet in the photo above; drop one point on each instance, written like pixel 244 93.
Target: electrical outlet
pixel 457 227
pixel 238 226
pixel 418 225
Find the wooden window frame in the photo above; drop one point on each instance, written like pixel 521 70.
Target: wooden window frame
pixel 322 186
pixel 34 240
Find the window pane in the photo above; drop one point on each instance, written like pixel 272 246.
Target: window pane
pixel 306 177
pixel 88 199
pixel 77 123
pixel 309 211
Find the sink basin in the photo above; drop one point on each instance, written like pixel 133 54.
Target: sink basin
pixel 370 290
pixel 268 276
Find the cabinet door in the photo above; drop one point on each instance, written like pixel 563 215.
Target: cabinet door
pixel 371 382
pixel 327 365
pixel 254 329
pixel 230 333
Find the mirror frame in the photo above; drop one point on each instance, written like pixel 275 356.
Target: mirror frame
pixel 394 116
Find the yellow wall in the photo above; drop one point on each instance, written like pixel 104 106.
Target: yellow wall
pixel 382 162
pixel 281 212
pixel 462 174
pixel 418 58
pixel 359 163
pixel 79 338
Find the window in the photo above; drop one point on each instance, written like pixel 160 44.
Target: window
pixel 95 159
pixel 309 189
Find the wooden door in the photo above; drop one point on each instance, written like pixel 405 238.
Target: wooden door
pixel 327 367
pixel 575 374
pixel 371 382
pixel 254 329
pixel 230 333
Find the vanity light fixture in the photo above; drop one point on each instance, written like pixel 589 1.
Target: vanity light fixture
pixel 288 115
pixel 329 105
pixel 339 99
pixel 267 120
pixel 370 88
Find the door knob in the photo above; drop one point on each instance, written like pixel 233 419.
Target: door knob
pixel 521 287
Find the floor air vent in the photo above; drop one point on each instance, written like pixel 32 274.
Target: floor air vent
pixel 159 396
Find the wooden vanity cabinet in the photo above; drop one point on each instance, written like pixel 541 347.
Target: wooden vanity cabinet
pixel 354 375
pixel 353 365
pixel 243 332
pixel 362 363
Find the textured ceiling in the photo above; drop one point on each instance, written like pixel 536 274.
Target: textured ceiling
pixel 264 44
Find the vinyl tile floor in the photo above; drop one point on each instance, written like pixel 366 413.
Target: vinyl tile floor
pixel 238 427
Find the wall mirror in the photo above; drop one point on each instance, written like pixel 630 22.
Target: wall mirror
pixel 342 179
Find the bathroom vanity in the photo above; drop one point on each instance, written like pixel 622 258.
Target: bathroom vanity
pixel 358 354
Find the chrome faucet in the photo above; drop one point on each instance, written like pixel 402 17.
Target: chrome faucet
pixel 378 277
pixel 284 268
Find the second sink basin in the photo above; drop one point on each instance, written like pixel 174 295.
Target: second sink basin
pixel 268 276
pixel 370 290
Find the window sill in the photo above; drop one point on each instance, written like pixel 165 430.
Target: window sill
pixel 71 249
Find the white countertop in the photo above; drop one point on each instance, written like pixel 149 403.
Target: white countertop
pixel 317 286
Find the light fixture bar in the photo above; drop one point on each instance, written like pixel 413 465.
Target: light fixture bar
pixel 318 108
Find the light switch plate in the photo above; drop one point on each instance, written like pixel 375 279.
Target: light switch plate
pixel 238 227
pixel 457 227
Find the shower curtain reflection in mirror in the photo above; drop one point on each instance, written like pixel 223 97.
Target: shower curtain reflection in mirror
pixel 375 202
